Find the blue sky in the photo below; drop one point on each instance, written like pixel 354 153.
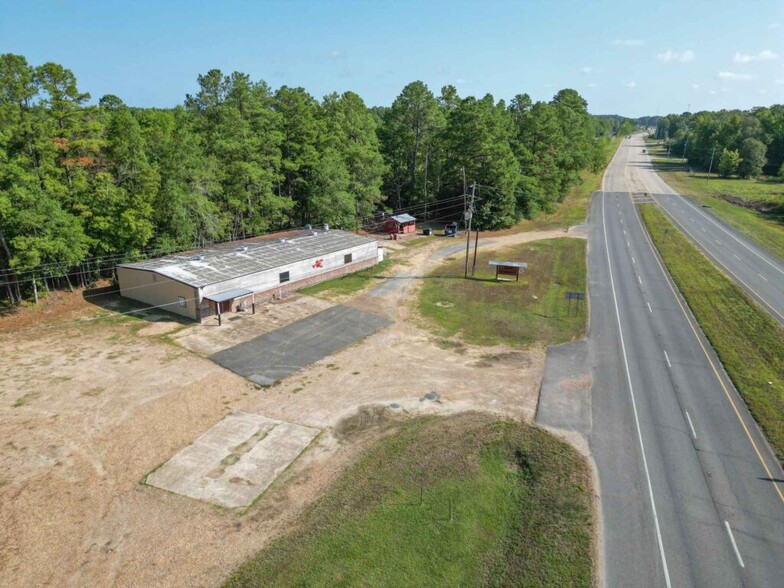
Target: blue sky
pixel 630 58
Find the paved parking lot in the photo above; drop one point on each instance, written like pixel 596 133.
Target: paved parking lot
pixel 272 356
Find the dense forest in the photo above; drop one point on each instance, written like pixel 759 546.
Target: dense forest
pixel 740 143
pixel 83 186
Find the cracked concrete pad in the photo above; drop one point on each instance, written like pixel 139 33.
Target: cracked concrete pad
pixel 234 461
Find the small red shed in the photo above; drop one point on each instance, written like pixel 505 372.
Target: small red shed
pixel 400 223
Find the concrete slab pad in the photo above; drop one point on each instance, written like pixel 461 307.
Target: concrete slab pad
pixel 234 461
pixel 208 338
pixel 274 355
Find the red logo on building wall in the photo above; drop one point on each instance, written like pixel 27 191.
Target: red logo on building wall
pixel 319 263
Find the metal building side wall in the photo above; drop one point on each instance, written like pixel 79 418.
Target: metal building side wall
pixel 140 285
pixel 303 270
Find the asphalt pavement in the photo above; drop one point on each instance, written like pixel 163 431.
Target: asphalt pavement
pixel 691 494
pixel 273 356
pixel 759 272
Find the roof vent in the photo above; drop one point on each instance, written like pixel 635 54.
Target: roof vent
pixel 326 227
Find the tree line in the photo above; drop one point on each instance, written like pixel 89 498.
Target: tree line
pixel 743 143
pixel 82 184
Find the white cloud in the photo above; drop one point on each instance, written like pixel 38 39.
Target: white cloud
pixel 461 81
pixel 593 85
pixel 586 70
pixel 774 25
pixel 780 81
pixel 764 55
pixel 630 84
pixel 629 42
pixel 712 92
pixel 732 76
pixel 336 54
pixel 670 55
pixel 695 86
pixel 763 92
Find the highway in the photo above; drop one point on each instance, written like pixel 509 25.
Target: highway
pixel 691 494
pixel 752 267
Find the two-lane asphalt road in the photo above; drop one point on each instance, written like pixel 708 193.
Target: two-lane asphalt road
pixel 753 268
pixel 691 495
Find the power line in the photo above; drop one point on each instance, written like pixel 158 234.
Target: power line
pixel 148 308
pixel 104 316
pixel 32 279
pixel 46 269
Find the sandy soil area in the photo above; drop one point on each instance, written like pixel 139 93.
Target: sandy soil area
pixel 88 409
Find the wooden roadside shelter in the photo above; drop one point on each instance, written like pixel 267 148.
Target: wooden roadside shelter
pixel 400 223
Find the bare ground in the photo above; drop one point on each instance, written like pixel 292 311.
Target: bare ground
pixel 87 409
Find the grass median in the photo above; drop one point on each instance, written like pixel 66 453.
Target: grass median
pixel 484 311
pixel 465 500
pixel 748 341
pixel 753 207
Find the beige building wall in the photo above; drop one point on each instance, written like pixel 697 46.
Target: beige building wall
pixel 156 290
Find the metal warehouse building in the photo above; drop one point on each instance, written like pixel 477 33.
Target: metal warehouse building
pixel 232 277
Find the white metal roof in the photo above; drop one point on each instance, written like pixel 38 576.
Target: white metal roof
pixel 403 218
pixel 229 294
pixel 241 258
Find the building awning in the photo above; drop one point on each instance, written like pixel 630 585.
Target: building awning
pixel 229 295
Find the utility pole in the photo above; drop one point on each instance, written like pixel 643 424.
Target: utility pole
pixel 469 215
pixel 476 246
pixel 710 167
pixel 685 145
pixel 465 193
pixel 427 153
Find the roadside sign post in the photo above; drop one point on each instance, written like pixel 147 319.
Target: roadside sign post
pixel 509 268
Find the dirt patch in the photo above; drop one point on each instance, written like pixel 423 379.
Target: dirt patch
pixel 757 205
pixel 53 307
pixel 367 418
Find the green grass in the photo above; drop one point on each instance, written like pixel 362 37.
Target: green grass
pixel 483 311
pixel 753 207
pixel 748 341
pixel 574 208
pixel 519 501
pixel 350 283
